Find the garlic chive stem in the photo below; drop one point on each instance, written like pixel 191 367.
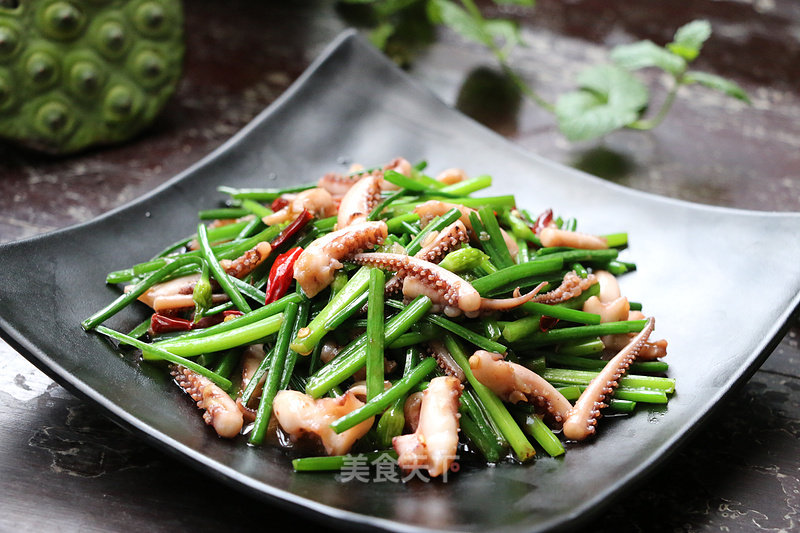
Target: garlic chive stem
pixel 537 429
pixel 375 339
pixel 274 375
pixel 555 336
pixel 309 336
pixel 518 272
pixel 244 334
pixel 382 401
pixel 338 462
pixel 494 407
pixel 140 288
pixel 222 382
pixel 219 274
pixel 354 355
pixel 632 381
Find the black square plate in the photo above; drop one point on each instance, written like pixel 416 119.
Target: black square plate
pixel 721 283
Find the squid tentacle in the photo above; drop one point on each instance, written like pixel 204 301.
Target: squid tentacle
pixel 359 201
pixel 581 421
pixel 571 287
pixel 221 412
pixel 317 264
pixel 440 285
pixel 439 351
pixel 446 240
pixel 514 383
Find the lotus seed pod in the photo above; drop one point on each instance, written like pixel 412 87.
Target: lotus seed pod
pixel 61 20
pixel 77 73
pixel 122 103
pixel 85 74
pixel 54 119
pixel 153 18
pixel 111 38
pixel 41 67
pixel 148 66
pixel 6 91
pixel 9 40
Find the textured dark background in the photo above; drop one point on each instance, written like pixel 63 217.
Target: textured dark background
pixel 64 467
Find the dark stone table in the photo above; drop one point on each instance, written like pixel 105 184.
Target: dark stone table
pixel 64 467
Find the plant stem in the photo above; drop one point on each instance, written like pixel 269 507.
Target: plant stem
pixel 353 356
pixel 494 407
pixel 220 381
pixel 383 400
pixel 544 436
pixel 309 336
pixel 219 274
pixel 246 334
pixel 375 338
pixel 274 375
pixel 648 124
pixel 337 462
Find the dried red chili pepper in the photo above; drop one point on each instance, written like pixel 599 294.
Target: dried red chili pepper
pixel 546 323
pixel 165 324
pixel 281 274
pixel 298 224
pixel 279 203
pixel 543 220
pixel 213 320
pixel 161 323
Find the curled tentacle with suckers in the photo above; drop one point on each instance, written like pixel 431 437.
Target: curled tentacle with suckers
pixel 247 262
pixel 337 184
pixel 221 412
pixel 317 264
pixel 439 351
pixel 443 287
pixel 434 444
pixel 571 287
pixel 514 383
pixel 581 421
pixel 359 201
pixel 434 250
pixel 434 208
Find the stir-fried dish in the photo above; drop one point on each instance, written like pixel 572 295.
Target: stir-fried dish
pixel 388 311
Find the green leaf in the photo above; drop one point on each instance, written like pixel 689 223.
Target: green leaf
pixel 610 98
pixel 506 31
pixel 689 39
pixel 647 54
pixel 583 115
pixel 616 86
pixel 387 8
pixel 380 35
pixel 456 18
pixel 718 83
